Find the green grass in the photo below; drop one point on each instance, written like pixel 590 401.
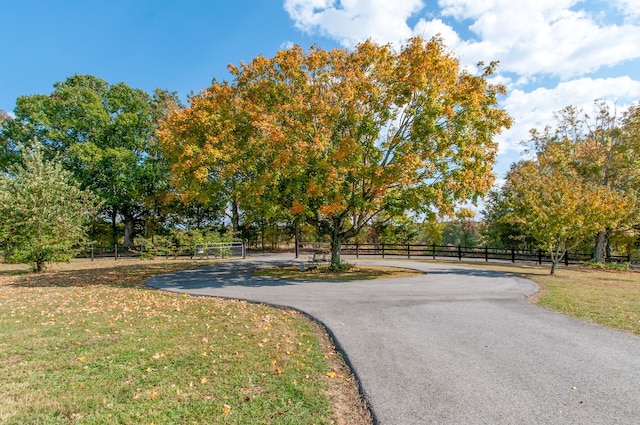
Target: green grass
pixel 608 297
pixel 95 346
pixel 325 273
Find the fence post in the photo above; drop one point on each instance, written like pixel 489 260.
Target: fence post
pixel 433 252
pixel 566 258
pixel 513 255
pixel 116 252
pixel 486 254
pixel 357 250
pixel 246 241
pixel 91 252
pixel 540 256
pixel 459 252
pixel 383 251
pixel 409 251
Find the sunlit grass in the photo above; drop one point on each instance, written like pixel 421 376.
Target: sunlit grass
pixel 95 346
pixel 610 298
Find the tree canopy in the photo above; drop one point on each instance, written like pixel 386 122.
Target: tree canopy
pixel 104 134
pixel 337 138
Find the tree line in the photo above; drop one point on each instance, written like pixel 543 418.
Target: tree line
pixel 373 142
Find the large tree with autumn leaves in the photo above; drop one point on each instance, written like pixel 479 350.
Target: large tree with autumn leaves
pixel 336 138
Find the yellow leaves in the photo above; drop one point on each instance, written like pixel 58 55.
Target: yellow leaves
pixel 226 409
pixel 201 174
pixel 334 375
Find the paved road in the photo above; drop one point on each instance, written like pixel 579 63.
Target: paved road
pixel 453 346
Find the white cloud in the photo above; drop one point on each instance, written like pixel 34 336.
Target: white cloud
pixel 287 45
pixel 535 109
pixel 354 21
pixel 630 8
pixel 539 36
pixel 529 37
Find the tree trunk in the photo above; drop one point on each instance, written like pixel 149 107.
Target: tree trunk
pixel 602 240
pixel 336 247
pixel 114 227
pixel 129 227
pixel 235 216
pixel 556 257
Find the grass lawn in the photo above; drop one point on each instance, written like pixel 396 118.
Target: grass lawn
pixel 610 298
pixel 88 343
pixel 324 273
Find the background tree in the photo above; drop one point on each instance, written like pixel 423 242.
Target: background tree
pixel 44 212
pixel 557 208
pixel 339 138
pixel 6 155
pixel 463 230
pixel 431 231
pixel 104 134
pixel 499 230
pixel 599 149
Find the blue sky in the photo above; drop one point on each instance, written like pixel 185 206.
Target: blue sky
pixel 552 53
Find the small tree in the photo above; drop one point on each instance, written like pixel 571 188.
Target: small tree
pixel 43 211
pixel 557 208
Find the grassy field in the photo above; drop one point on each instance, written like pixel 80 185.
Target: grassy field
pixel 610 298
pixel 88 343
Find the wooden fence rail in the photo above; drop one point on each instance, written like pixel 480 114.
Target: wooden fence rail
pixel 198 251
pixel 461 252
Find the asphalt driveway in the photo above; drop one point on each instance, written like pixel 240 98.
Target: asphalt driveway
pixel 453 346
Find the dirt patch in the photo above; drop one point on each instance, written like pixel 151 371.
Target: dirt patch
pixel 342 388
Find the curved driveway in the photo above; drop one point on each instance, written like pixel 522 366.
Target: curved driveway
pixel 453 346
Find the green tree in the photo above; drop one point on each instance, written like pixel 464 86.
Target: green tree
pixel 6 156
pixel 44 212
pixel 463 230
pixel 105 135
pixel 499 230
pixel 337 138
pixel 557 208
pixel 601 151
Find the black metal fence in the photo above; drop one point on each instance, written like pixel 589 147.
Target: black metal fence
pixel 200 251
pixel 460 252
